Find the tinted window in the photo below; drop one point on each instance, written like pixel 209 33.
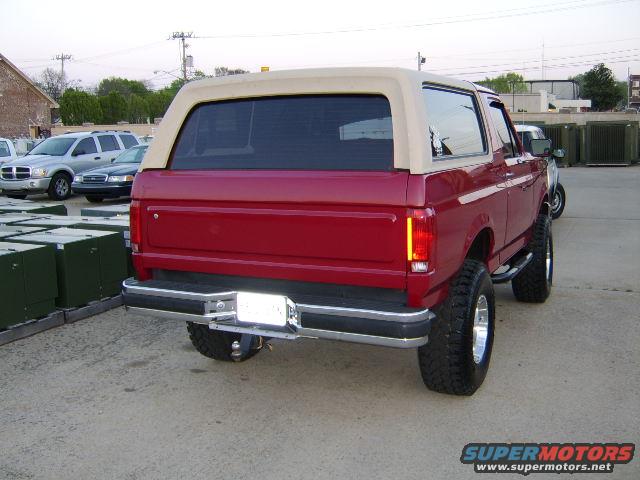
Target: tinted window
pixel 85 146
pixel 454 124
pixel 53 146
pixel 4 149
pixel 108 143
pixel 307 132
pixel 133 155
pixel 128 141
pixel 505 135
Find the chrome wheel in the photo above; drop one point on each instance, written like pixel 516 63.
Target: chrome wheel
pixel 557 202
pixel 480 329
pixel 62 187
pixel 548 262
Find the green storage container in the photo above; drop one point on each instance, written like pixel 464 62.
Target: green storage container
pixel 33 207
pixel 612 143
pixel 54 221
pixel 107 211
pixel 14 218
pixel 112 224
pixel 112 254
pixel 564 136
pixel 14 201
pixel 15 230
pixel 29 286
pixel 90 266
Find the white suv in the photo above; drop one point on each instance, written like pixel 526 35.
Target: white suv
pixel 52 164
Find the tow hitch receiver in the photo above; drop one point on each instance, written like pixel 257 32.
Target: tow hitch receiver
pixel 239 349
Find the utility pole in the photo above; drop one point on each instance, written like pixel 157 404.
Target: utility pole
pixel 182 36
pixel 421 61
pixel 542 62
pixel 62 57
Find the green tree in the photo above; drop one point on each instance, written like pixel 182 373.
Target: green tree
pixel 623 90
pixel 123 86
pixel 600 87
pixel 506 83
pixel 224 71
pixel 114 108
pixel 158 103
pixel 77 107
pixel 138 109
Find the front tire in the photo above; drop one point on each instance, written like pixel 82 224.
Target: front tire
pixel 533 283
pixel 456 359
pixel 215 344
pixel 558 202
pixel 60 187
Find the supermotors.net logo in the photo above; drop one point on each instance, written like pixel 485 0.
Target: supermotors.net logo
pixel 526 458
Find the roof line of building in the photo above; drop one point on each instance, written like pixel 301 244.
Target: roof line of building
pixel 30 82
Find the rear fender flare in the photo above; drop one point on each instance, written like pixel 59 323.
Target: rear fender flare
pixel 482 222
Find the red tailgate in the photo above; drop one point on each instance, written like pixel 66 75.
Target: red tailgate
pixel 318 226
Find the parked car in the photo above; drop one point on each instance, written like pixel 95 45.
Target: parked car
pixel 112 181
pixel 558 194
pixel 369 205
pixel 7 151
pixel 51 165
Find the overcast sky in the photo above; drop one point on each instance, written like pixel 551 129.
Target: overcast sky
pixel 469 40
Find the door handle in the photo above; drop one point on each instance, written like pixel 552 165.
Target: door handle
pixel 96 158
pixel 509 175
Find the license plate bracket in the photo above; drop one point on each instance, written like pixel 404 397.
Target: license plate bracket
pixel 262 309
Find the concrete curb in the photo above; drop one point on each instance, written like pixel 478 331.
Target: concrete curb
pixel 31 327
pixel 74 314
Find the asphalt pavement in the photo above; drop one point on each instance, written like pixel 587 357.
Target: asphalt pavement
pixel 120 396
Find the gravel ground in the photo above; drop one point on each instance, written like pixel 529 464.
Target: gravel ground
pixel 125 397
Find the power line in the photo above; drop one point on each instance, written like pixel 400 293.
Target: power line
pixel 483 16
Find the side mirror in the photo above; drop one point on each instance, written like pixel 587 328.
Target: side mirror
pixel 77 152
pixel 113 160
pixel 541 147
pixel 559 153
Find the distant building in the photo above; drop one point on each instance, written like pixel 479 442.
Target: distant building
pixel 634 91
pixel 25 110
pixel 543 101
pixel 561 89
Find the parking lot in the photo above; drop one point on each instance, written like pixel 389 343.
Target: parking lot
pixel 122 396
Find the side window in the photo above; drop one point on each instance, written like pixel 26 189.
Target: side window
pixel 505 134
pixel 4 149
pixel 108 143
pixel 85 146
pixel 455 128
pixel 128 141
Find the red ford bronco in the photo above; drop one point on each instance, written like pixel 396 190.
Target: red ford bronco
pixel 369 205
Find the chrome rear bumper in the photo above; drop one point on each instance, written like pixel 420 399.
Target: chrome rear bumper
pixel 371 323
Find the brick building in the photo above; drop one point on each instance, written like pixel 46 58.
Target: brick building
pixel 25 110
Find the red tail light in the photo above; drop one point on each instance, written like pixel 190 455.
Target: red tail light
pixel 134 226
pixel 419 239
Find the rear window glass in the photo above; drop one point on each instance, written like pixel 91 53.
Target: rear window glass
pixel 128 141
pixel 454 124
pixel 108 143
pixel 307 132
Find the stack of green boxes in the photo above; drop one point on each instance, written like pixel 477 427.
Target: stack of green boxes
pixel 16 230
pixel 15 218
pixel 90 264
pixel 108 211
pixel 32 207
pixel 112 224
pixel 29 285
